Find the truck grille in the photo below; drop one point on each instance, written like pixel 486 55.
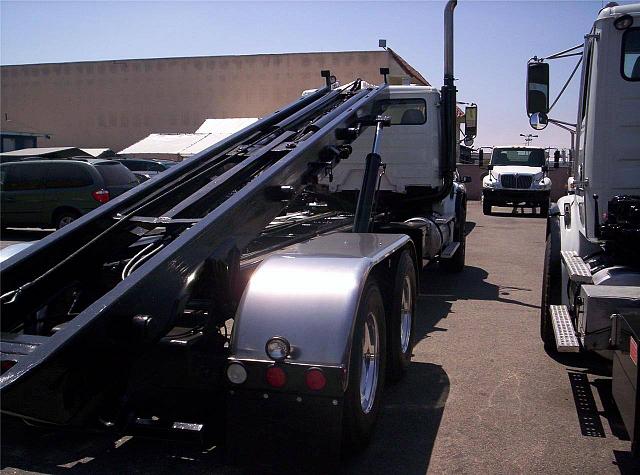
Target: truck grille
pixel 516 181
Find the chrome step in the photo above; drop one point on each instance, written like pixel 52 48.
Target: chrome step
pixel 566 340
pixel 578 270
pixel 450 250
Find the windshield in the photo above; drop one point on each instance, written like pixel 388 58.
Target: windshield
pixel 518 156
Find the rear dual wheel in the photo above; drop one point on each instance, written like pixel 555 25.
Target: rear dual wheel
pixel 366 370
pixel 400 333
pixel 370 355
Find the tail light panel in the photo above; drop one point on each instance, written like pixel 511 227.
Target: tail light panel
pixel 101 196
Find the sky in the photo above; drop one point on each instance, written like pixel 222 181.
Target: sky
pixel 493 41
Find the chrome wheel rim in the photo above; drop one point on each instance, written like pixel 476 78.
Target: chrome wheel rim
pixel 66 220
pixel 370 363
pixel 406 315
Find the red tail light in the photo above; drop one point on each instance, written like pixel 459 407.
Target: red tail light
pixel 101 196
pixel 276 377
pixel 6 365
pixel 315 379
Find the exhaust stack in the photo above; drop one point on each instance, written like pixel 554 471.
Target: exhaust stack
pixel 448 94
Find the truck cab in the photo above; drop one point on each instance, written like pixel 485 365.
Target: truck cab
pixel 410 149
pixel 591 278
pixel 517 177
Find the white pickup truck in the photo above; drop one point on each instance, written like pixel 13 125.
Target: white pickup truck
pixel 517 177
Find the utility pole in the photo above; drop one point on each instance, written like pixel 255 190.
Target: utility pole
pixel 528 138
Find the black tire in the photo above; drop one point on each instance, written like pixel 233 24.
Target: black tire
pixel 358 423
pixel 456 263
pixel 404 295
pixel 544 209
pixel 486 208
pixel 551 284
pixel 62 218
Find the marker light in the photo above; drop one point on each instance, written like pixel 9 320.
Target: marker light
pixel 277 348
pixel 315 379
pixel 236 373
pixel 276 376
pixel 623 22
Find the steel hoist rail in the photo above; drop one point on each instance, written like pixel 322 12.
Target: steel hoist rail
pixel 115 280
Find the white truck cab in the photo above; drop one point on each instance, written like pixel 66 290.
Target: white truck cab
pixel 591 279
pixel 410 148
pixel 517 177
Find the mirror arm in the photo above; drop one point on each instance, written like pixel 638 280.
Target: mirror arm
pixel 561 54
pixel 564 125
pixel 565 84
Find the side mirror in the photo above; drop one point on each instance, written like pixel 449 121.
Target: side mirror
pixel 489 167
pixel 471 121
pixel 480 158
pixel 538 121
pixel 537 87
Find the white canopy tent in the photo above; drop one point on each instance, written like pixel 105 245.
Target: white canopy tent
pixel 180 146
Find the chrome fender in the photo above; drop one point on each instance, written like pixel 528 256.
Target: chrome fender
pixel 309 294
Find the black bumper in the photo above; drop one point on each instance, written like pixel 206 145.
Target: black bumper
pixel 513 197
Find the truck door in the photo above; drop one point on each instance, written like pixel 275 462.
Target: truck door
pixel 580 173
pixel 404 146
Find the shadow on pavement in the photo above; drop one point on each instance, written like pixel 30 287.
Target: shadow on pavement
pixel 438 290
pixel 469 226
pixel 626 463
pixel 55 451
pixel 408 424
pixel 518 213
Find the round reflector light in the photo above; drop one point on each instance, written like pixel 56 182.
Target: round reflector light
pixel 277 348
pixel 276 377
pixel 236 373
pixel 315 379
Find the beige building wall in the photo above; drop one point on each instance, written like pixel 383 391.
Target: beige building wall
pixel 116 103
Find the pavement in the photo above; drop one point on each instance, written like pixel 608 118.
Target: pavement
pixel 8 237
pixel 482 396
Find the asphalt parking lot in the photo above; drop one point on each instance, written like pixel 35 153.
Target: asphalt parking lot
pixel 481 397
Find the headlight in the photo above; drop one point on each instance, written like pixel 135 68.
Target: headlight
pixel 236 373
pixel 277 348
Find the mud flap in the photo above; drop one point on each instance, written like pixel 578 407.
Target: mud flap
pixel 284 431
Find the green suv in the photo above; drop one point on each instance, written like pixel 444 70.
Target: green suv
pixel 53 193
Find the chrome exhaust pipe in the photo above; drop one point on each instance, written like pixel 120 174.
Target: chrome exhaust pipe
pixel 448 39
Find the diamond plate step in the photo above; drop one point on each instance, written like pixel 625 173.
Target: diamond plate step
pixel 578 270
pixel 450 250
pixel 566 340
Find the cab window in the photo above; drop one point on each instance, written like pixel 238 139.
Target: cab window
pixel 630 64
pixel 403 111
